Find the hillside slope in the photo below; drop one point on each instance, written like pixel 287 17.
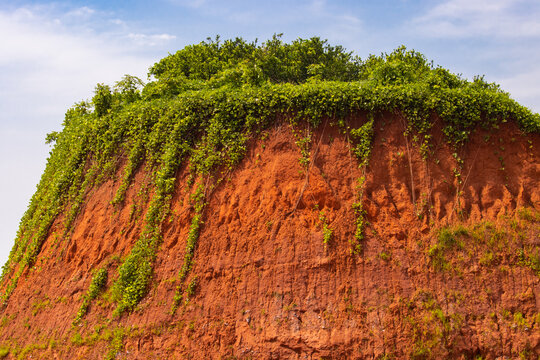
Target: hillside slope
pixel 386 209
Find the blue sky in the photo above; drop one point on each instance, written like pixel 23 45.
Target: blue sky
pixel 53 53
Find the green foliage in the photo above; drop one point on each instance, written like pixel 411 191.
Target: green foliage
pixel 237 63
pixel 360 215
pixel 99 280
pixel 117 344
pixel 127 90
pixel 304 144
pixel 4 351
pixel 190 291
pixel 77 339
pixel 203 105
pixel 528 214
pixel 24 352
pixel 102 100
pixel 385 255
pixel 530 259
pixel 363 136
pixel 37 306
pixel 448 238
pixel 432 328
pixel 399 67
pixel 198 198
pixel 327 230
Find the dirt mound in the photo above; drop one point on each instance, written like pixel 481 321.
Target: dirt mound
pixel 448 266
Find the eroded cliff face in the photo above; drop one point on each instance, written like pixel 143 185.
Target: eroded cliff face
pixel 448 266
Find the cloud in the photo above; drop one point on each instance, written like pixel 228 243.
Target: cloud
pixel 523 87
pixel 151 40
pixel 82 12
pixel 189 3
pixel 44 35
pixel 484 18
pixel 45 54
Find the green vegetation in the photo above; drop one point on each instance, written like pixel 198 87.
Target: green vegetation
pixel 362 137
pixel 116 344
pixel 385 255
pixel 24 352
pixel 502 245
pixel 432 328
pixel 4 351
pixel 360 214
pixel 304 144
pixel 37 305
pixel 99 280
pixel 530 259
pixel 448 238
pixel 203 104
pixel 528 214
pixel 327 230
pixel 193 235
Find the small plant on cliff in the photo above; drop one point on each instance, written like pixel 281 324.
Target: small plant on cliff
pixel 432 328
pixel 304 144
pixel 528 214
pixel 190 290
pixel 99 280
pixel 448 238
pixel 38 306
pixel 530 259
pixel 360 214
pixel 116 344
pixel 362 138
pixel 4 351
pixel 327 231
pixel 198 198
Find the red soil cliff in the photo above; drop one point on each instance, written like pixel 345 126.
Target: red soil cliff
pixel 271 283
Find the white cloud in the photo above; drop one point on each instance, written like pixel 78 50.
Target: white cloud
pixel 118 22
pixel 45 55
pixel 484 18
pixel 190 3
pixel 456 8
pixel 523 87
pixel 151 40
pixel 82 12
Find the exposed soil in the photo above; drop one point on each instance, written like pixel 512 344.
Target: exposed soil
pixel 268 285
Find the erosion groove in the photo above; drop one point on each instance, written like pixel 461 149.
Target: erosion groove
pixel 283 201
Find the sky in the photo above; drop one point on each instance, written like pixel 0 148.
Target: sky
pixel 52 54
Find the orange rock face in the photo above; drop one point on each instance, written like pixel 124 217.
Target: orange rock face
pixel 271 283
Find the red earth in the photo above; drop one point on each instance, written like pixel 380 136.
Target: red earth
pixel 269 285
